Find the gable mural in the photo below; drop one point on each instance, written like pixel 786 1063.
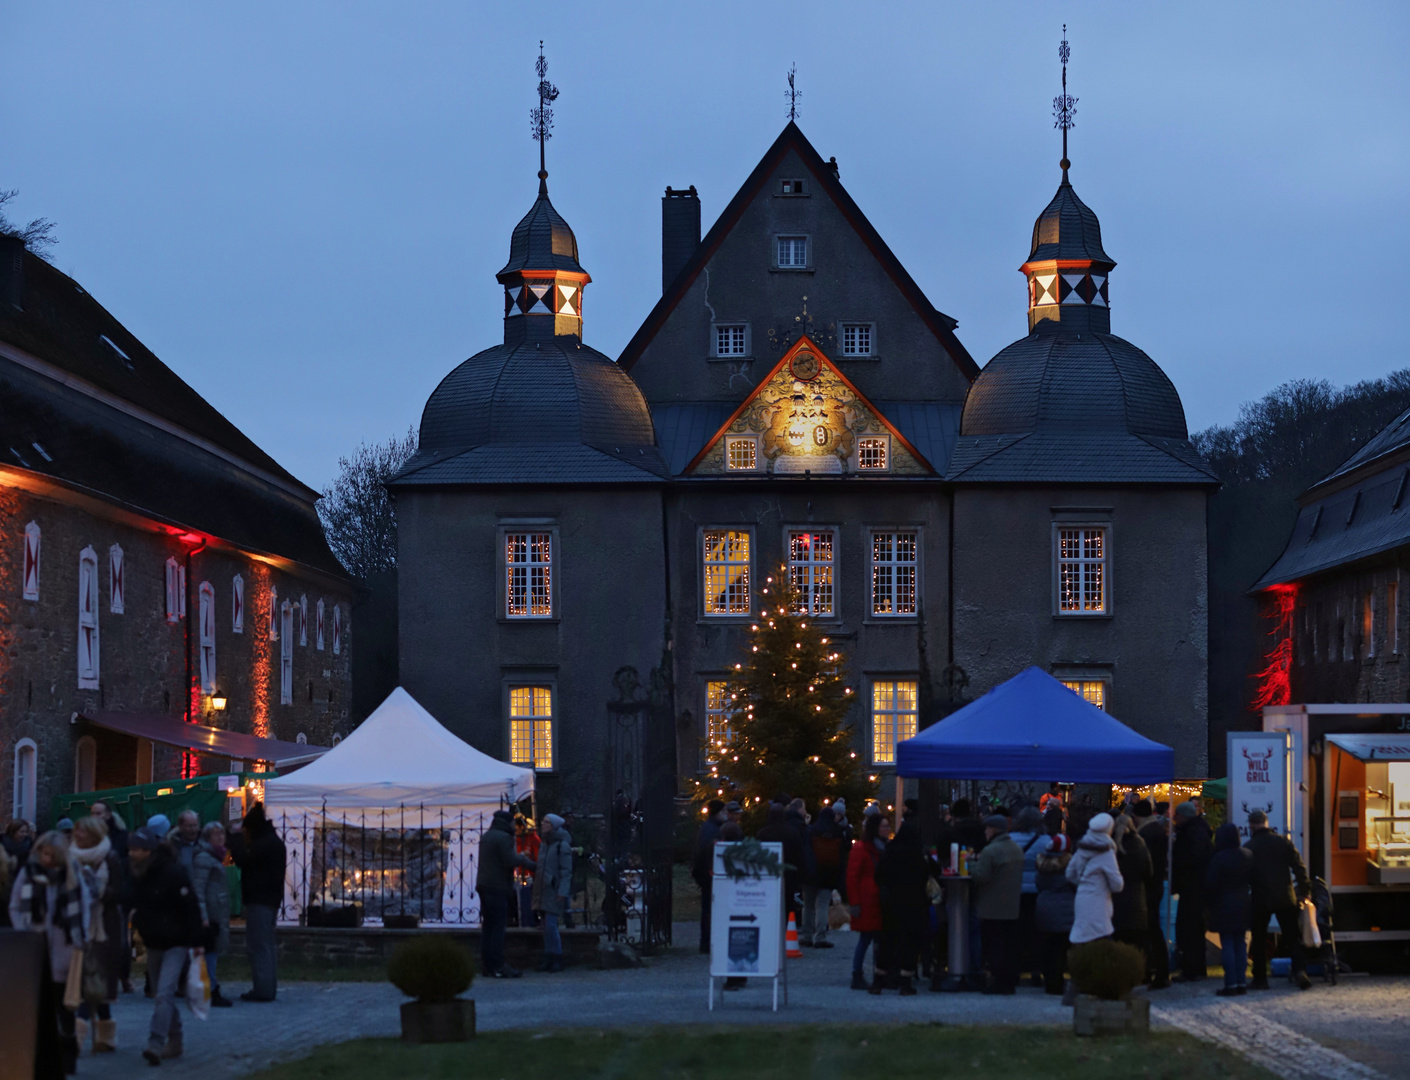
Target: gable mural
pixel 806 417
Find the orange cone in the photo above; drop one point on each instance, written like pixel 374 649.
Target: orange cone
pixel 793 952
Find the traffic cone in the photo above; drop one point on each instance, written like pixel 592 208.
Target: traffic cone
pixel 793 952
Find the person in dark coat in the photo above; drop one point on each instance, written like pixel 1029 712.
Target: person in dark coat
pixel 1130 908
pixel 259 852
pixel 1154 830
pixel 1227 891
pixel 828 849
pixel 104 882
pixel 901 875
pixel 494 882
pixel 1054 911
pixel 863 893
pixel 167 916
pixel 1189 856
pixel 702 869
pixel 1277 867
pixel 778 830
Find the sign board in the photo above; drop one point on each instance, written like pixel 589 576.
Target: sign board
pixel 746 924
pixel 227 783
pixel 1260 778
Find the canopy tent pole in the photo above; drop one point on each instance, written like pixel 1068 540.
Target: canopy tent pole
pixel 900 801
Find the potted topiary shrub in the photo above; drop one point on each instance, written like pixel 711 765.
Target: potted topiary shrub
pixel 435 970
pixel 1106 972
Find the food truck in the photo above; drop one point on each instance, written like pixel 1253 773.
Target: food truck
pixel 1344 771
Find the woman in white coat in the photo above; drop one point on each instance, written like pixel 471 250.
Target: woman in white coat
pixel 1093 870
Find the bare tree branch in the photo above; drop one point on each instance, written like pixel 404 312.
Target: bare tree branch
pixel 38 235
pixel 358 517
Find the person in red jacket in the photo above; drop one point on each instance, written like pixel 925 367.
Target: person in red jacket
pixel 526 842
pixel 863 894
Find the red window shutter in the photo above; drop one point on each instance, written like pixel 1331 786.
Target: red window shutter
pixel 31 561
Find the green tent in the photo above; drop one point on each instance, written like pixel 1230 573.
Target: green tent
pixel 1215 790
pixel 135 805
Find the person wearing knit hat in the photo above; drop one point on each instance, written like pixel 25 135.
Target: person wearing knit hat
pixel 1190 852
pixel 1094 871
pixel 159 824
pixel 553 885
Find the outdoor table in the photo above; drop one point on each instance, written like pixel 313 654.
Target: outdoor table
pixel 957 914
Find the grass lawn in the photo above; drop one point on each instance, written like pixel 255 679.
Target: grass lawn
pixel 841 1052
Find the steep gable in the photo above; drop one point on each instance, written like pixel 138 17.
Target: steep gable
pixel 807 417
pixel 733 277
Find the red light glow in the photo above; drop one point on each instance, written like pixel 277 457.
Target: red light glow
pixel 1275 680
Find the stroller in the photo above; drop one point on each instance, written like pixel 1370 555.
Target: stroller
pixel 1327 954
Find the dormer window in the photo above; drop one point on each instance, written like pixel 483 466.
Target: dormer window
pixel 792 252
pixel 874 453
pixel 792 187
pixel 741 453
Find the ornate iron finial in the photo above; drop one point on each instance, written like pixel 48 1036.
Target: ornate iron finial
pixel 541 119
pixel 1064 107
pixel 792 94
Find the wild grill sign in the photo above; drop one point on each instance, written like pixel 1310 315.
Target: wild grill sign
pixel 1259 768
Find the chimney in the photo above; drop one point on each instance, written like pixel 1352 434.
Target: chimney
pixel 680 232
pixel 12 270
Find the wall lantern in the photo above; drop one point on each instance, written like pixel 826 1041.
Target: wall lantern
pixel 218 702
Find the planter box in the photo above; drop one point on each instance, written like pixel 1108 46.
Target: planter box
pixel 346 917
pixel 1093 1016
pixel 401 922
pixel 438 1021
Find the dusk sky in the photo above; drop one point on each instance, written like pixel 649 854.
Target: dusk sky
pixel 301 207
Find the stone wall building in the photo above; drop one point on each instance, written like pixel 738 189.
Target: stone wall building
pixel 154 564
pixel 795 404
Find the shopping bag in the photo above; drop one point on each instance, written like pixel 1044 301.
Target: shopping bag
pixel 1307 916
pixel 73 984
pixel 95 978
pixel 198 988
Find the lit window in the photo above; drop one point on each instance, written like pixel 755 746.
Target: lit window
pixel 206 600
pixel 793 187
pixel 856 339
pixel 893 718
pixel 810 566
pixel 286 654
pixel 1092 691
pixel 1082 570
pixel 793 251
pixel 873 453
pixel 731 340
pixel 726 572
pixel 893 573
pixel 88 619
pixel 529 583
pixel 531 726
pixel 717 730
pixel 741 454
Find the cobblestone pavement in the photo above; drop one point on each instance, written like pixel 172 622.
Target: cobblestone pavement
pixel 1360 1021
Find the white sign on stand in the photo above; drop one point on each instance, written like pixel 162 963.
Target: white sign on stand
pixel 1260 778
pixel 746 925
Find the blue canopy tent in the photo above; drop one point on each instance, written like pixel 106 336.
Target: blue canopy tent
pixel 1034 728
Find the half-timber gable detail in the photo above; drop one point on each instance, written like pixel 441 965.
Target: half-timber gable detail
pixel 805 416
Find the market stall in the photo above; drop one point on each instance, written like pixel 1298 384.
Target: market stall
pixel 1348 773
pixel 1031 727
pixel 387 824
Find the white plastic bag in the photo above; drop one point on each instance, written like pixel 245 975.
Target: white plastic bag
pixel 1307 916
pixel 198 987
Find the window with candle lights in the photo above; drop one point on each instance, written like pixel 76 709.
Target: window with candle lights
pixel 811 570
pixel 1082 584
pixel 726 571
pixel 894 717
pixel 717 713
pixel 873 453
pixel 1092 691
pixel 894 559
pixel 528 560
pixel 531 726
pixel 741 453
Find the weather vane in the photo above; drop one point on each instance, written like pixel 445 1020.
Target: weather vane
pixel 541 118
pixel 1064 107
pixel 792 94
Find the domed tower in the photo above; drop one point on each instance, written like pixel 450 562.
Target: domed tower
pixel 1079 502
pixel 529 516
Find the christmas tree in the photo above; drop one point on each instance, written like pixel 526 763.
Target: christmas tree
pixel 788 703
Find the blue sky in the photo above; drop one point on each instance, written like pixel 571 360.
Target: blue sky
pixel 300 207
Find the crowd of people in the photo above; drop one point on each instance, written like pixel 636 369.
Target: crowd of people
pixel 527 871
pixel 1044 877
pixel 99 891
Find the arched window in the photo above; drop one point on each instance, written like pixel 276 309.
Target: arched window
pixel 303 620
pixel 85 764
pixel 26 797
pixel 207 624
pixel 88 619
pixel 286 654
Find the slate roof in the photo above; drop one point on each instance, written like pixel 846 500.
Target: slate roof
pixel 1353 523
pixel 125 460
pixel 1068 229
pixel 1061 406
pixel 930 426
pixel 792 138
pixel 1394 436
pixel 526 410
pixel 64 326
pixel 542 240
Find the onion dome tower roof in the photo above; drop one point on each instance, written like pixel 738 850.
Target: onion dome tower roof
pixel 542 240
pixel 1068 229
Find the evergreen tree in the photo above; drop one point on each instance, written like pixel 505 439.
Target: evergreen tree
pixel 789 700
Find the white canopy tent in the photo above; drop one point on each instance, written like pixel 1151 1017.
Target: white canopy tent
pixel 391 817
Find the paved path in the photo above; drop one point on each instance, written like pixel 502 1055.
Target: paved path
pixel 1358 1024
